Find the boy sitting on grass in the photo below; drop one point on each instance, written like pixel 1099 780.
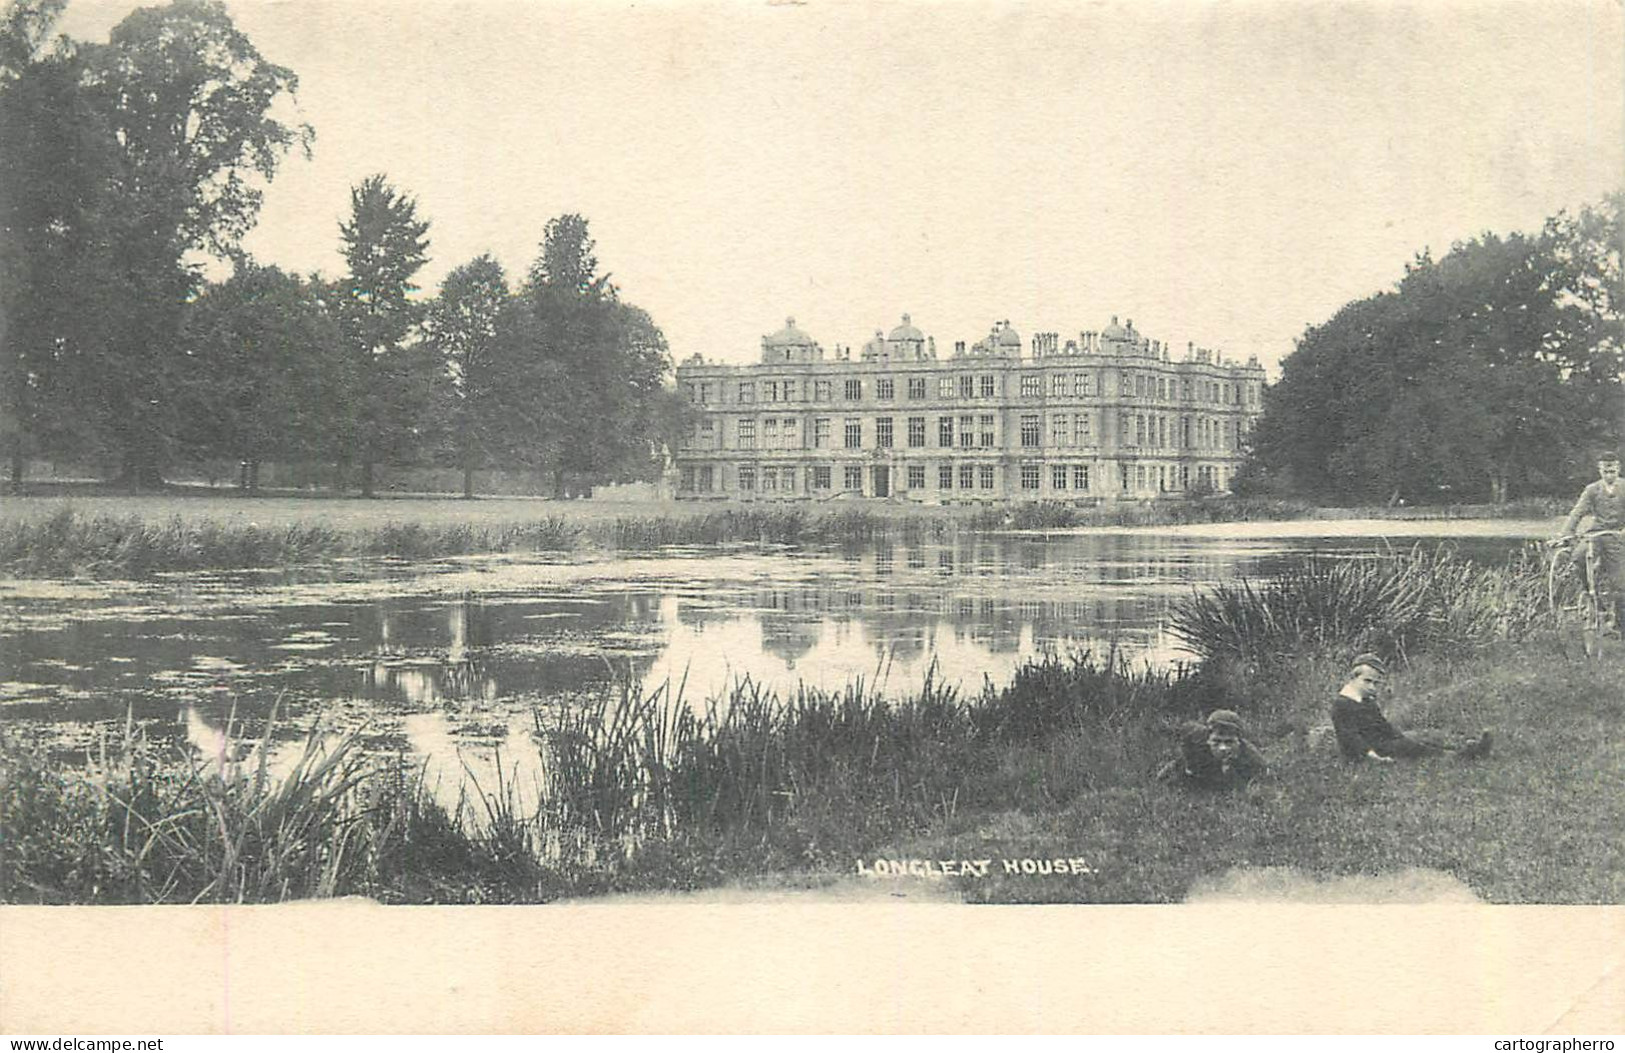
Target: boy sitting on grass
pixel 1213 755
pixel 1363 733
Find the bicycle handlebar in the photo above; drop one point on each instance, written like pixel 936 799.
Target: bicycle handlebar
pixel 1568 539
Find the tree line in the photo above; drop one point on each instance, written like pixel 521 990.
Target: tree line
pixel 128 165
pixel 1497 371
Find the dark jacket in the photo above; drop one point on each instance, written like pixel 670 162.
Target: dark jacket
pixel 1196 765
pixel 1360 726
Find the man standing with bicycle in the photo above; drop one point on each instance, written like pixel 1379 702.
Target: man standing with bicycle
pixel 1604 501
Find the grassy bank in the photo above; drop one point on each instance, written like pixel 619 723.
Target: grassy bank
pixel 1054 515
pixel 649 792
pixel 133 537
pixel 68 544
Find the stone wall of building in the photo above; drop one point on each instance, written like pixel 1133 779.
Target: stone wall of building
pixel 1107 415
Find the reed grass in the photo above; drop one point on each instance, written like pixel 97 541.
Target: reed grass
pixel 49 539
pixel 153 832
pixel 1402 603
pixel 783 525
pixel 68 544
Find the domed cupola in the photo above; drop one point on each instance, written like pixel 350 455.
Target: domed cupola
pixel 906 342
pixel 906 331
pixel 790 345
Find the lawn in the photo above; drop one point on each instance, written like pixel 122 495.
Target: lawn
pixel 343 513
pixel 1539 821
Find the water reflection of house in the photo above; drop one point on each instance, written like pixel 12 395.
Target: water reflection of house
pixel 789 639
pixel 1110 414
pixel 907 642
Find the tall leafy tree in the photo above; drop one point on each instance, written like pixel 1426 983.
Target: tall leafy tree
pixel 1590 279
pixel 1480 375
pixel 54 167
pixel 187 101
pixel 385 245
pixel 462 329
pixel 262 349
pixel 589 367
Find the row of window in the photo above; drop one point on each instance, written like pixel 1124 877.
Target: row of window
pixel 885 389
pixel 974 431
pixel 973 386
pixel 1186 433
pixel 780 479
pixel 978 431
pixel 1189 389
pixel 1167 478
pixel 783 479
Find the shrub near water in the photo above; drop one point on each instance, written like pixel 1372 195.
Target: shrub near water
pixel 1401 604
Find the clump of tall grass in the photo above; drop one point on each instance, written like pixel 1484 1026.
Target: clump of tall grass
pixel 1402 603
pixel 142 825
pixel 803 772
pixel 414 540
pixel 1086 693
pixel 641 767
pixel 146 832
pixel 68 544
pixel 788 525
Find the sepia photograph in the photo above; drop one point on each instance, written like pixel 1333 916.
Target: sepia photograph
pixel 648 480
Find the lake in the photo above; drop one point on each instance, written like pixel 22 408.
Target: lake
pixel 448 661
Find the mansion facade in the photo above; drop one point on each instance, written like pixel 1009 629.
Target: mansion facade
pixel 1110 414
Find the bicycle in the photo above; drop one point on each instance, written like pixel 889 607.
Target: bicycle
pixel 1572 588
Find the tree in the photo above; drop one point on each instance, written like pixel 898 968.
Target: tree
pixel 384 246
pixel 1482 374
pixel 53 168
pixel 648 414
pixel 261 348
pixel 1591 281
pixel 24 27
pixel 186 100
pixel 462 329
pixel 588 368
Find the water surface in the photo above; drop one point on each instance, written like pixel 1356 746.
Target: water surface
pixel 451 659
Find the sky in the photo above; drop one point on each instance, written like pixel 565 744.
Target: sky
pixel 1224 173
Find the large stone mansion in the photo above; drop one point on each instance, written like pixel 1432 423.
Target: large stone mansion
pixel 1109 414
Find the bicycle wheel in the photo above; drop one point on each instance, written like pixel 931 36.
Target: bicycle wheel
pixel 1590 624
pixel 1569 598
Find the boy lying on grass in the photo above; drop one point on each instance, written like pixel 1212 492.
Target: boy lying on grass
pixel 1363 733
pixel 1213 755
